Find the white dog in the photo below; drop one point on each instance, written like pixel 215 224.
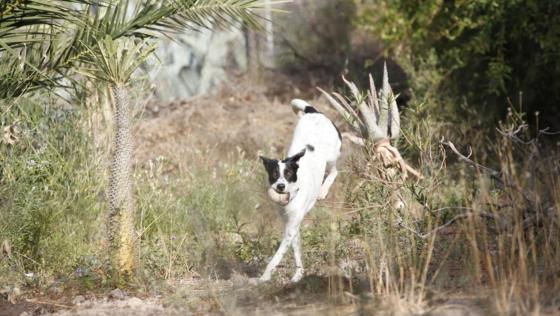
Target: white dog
pixel 296 182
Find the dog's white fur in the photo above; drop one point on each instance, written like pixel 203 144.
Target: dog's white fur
pixel 317 136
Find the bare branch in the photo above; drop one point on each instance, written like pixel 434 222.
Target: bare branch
pixel 468 160
pixel 545 131
pixel 493 173
pixel 448 223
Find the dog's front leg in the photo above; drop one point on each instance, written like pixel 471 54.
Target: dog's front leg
pixel 290 232
pixel 296 245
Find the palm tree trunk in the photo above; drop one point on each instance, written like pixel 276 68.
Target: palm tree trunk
pixel 121 203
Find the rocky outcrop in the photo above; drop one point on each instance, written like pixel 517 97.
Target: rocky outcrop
pixel 196 62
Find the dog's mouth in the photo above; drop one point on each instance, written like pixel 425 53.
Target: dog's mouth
pixel 281 198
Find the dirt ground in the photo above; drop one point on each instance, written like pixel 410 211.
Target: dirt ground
pixel 237 296
pixel 252 115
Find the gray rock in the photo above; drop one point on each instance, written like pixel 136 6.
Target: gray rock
pixel 196 62
pixel 78 300
pixel 134 302
pixel 55 289
pixel 117 294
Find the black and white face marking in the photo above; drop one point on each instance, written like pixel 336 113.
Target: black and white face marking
pixel 272 168
pixel 282 175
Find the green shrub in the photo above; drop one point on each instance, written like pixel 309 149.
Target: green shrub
pixel 49 188
pixel 482 51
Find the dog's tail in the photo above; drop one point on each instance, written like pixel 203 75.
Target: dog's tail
pixel 301 107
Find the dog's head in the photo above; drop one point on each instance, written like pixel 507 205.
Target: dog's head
pixel 282 177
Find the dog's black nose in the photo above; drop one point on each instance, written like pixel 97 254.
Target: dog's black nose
pixel 280 187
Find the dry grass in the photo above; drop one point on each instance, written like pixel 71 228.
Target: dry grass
pixel 468 227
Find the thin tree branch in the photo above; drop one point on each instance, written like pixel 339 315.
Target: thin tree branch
pixel 448 223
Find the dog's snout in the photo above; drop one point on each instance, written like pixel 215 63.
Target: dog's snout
pixel 280 187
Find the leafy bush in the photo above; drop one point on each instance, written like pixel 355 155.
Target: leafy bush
pixel 483 51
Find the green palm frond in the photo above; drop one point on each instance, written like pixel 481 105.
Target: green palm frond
pixel 114 61
pixel 16 78
pixel 152 17
pixel 26 69
pixel 204 13
pixel 28 21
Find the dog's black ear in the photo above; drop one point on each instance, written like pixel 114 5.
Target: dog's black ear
pixel 269 164
pixel 295 158
pixel 265 161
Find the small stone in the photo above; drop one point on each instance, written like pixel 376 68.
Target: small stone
pixel 454 310
pixel 254 281
pixel 14 294
pixel 24 314
pixel 78 300
pixel 238 281
pixel 234 238
pixel 134 301
pixel 117 294
pixel 54 290
pixel 16 291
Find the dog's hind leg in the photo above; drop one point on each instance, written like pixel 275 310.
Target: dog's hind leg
pixel 296 245
pixel 290 232
pixel 328 180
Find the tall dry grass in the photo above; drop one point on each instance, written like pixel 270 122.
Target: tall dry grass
pixel 486 225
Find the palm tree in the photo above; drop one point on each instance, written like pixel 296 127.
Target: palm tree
pixel 44 41
pixel 114 62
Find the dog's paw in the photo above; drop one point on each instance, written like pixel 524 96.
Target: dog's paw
pixel 259 281
pixel 264 278
pixel 297 276
pixel 254 281
pixel 323 195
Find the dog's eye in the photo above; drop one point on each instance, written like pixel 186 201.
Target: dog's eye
pixel 288 173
